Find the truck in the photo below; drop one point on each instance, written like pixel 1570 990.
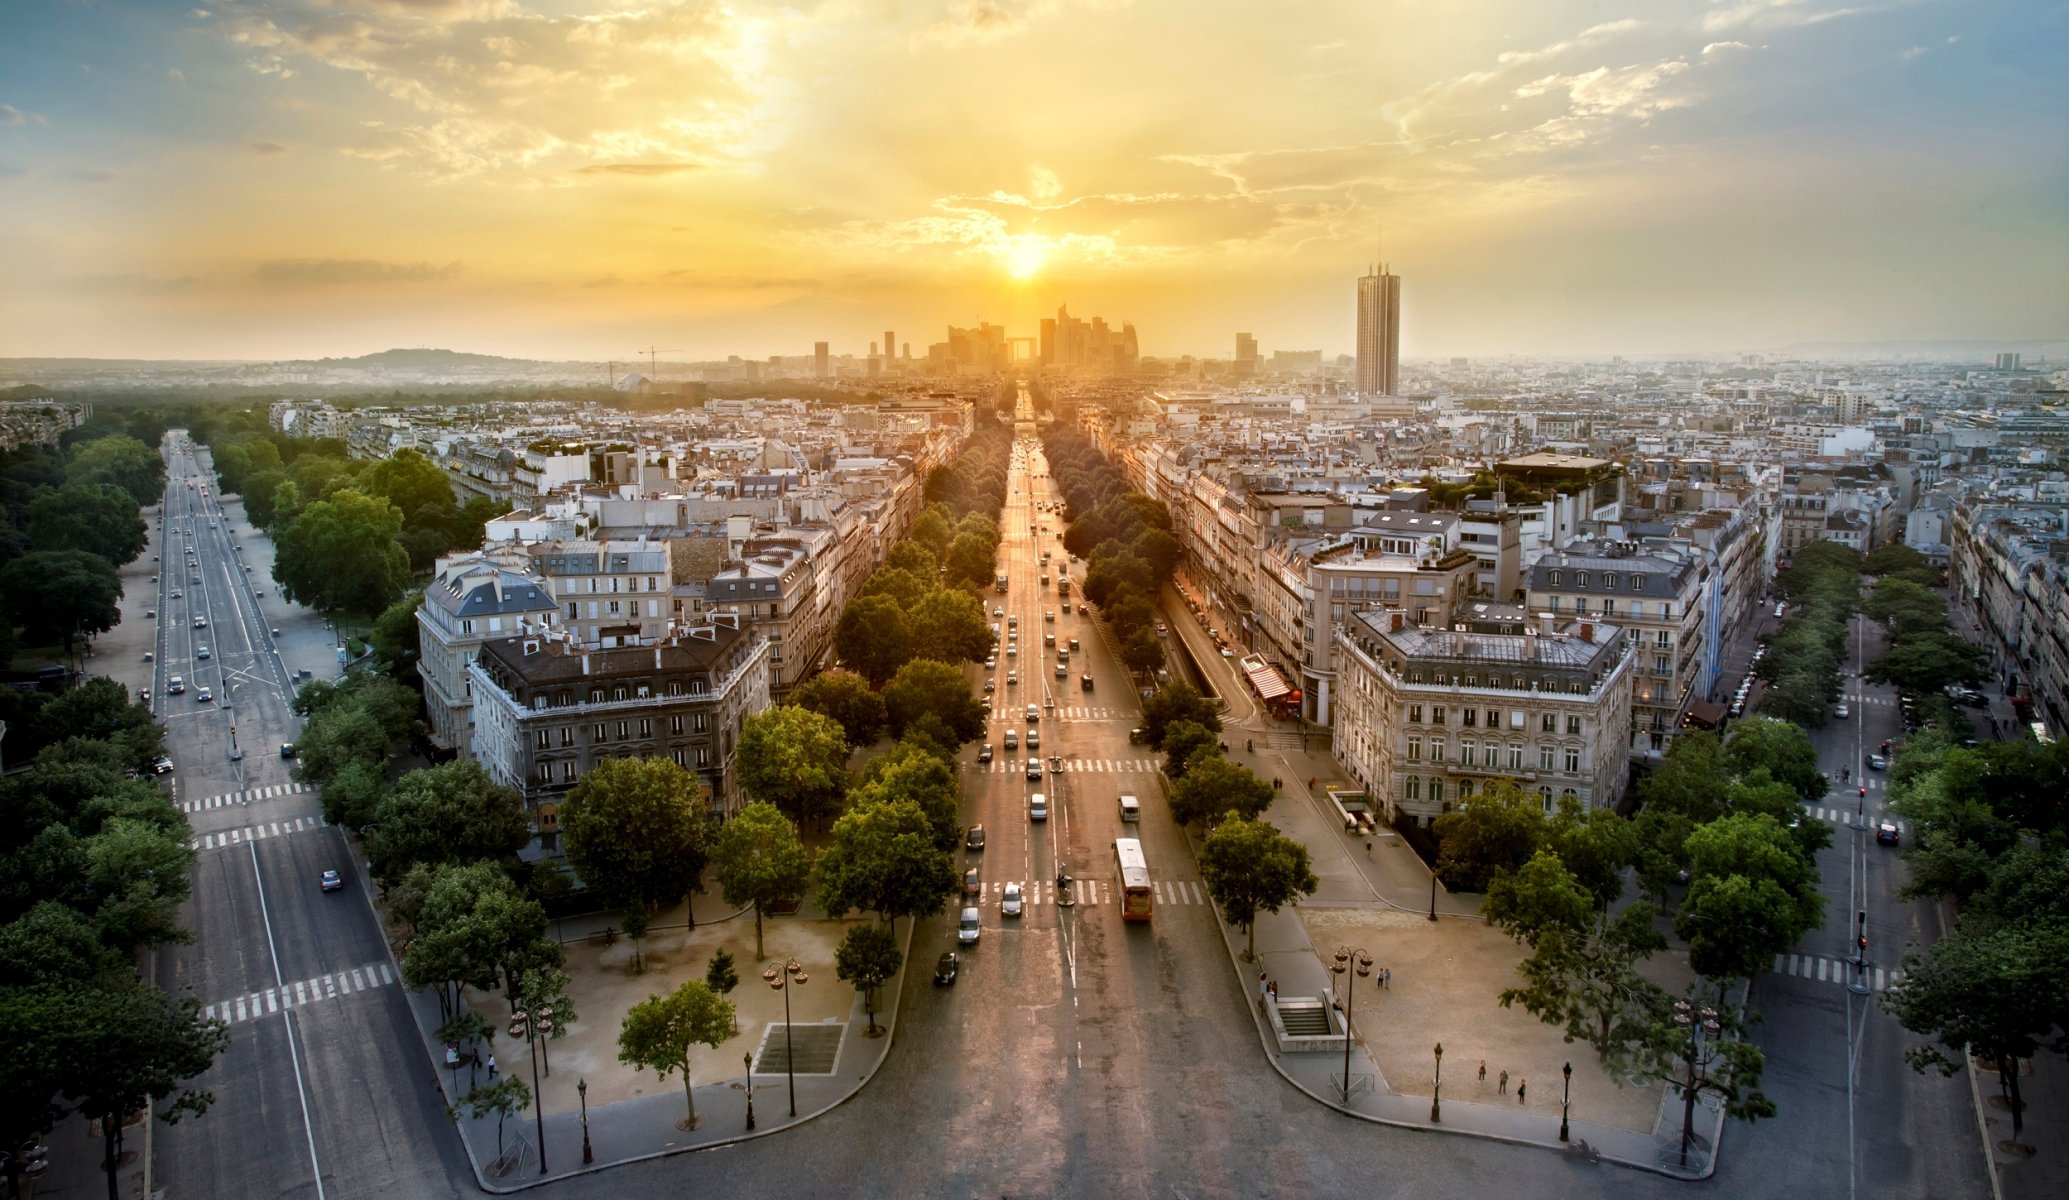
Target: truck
pixel 999 584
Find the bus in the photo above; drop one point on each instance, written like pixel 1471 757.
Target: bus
pixel 1135 893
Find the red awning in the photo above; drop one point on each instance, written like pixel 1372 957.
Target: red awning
pixel 1265 678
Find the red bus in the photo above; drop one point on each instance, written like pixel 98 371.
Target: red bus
pixel 1135 893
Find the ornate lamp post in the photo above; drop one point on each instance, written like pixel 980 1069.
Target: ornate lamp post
pixel 1347 958
pixel 582 1090
pixel 1433 893
pixel 1700 1023
pixel 780 978
pixel 532 1022
pixel 1437 1089
pixel 1565 1099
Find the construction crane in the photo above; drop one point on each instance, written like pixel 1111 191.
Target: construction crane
pixel 651 354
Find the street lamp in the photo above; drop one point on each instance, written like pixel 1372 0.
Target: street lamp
pixel 532 1022
pixel 582 1090
pixel 1437 1089
pixel 1433 893
pixel 1348 957
pixel 780 978
pixel 1565 1099
pixel 747 1061
pixel 1699 1023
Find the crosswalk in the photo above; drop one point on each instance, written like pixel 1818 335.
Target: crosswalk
pixel 1842 816
pixel 253 833
pixel 246 796
pixel 1097 891
pixel 1108 766
pixel 303 991
pixel 1067 712
pixel 1832 970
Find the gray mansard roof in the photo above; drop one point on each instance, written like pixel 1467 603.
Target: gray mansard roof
pixel 488 591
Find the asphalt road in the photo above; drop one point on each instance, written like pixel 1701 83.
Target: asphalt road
pixel 311 1098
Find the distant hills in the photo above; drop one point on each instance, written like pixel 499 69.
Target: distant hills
pixel 1951 350
pixel 422 359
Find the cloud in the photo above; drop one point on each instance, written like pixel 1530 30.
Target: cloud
pixel 1911 54
pixel 10 115
pixel 1721 47
pixel 460 88
pixel 979 21
pixel 1774 14
pixel 268 148
pixel 177 76
pixel 326 272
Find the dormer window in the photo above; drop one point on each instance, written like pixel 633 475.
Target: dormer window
pixel 1557 577
pixel 1580 579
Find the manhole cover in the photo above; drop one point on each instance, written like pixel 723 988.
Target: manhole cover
pixel 817 1047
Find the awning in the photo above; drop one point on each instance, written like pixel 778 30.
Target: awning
pixel 1264 678
pixel 1703 712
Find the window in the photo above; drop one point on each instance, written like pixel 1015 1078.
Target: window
pixel 1469 717
pixel 1609 607
pixel 675 724
pixel 650 583
pixel 1552 603
pixel 1412 790
pixel 1664 637
pixel 678 756
pixel 545 772
pixel 646 727
pixel 596 695
pixel 1572 760
pixel 613 608
pixel 1494 718
pixel 674 688
pixel 538 703
pixel 545 739
pixel 700 723
pixel 1415 714
pixel 1516 757
pixel 1465 790
pixel 1662 664
pixel 1549 724
pixel 1572 725
pixel 1556 577
pixel 1465 753
pixel 1544 758
pixel 618 694
pixel 1436 749
pixel 1414 749
pixel 1580 606
pixel 466 627
pixel 602 732
pixel 567 735
pixel 1609 582
pixel 624 730
pixel 1436 714
pixel 567 772
pixel 1436 791
pixel 703 756
pixel 1544 797
pixel 1492 751
pixel 1580 579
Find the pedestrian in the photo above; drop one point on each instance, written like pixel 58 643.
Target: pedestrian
pixel 1264 985
pixel 477 1060
pixel 1368 847
pixel 1483 1070
pixel 1273 989
pixel 1386 979
pixel 1503 1087
pixel 492 1066
pixel 1521 1086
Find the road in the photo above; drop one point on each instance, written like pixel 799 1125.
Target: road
pixel 311 1098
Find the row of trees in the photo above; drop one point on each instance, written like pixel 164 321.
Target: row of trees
pixel 1989 832
pixel 1802 668
pixel 1924 654
pixel 1123 536
pixel 94 864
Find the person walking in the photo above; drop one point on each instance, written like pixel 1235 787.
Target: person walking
pixel 1502 1087
pixel 1483 1070
pixel 492 1066
pixel 1522 1085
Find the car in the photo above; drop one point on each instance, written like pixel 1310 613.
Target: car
pixel 1778 609
pixel 968 927
pixel 998 614
pixel 1013 622
pixel 149 656
pixel 1050 616
pixel 203 696
pixel 1162 629
pixel 196 581
pixel 1013 650
pixel 1877 763
pixel 945 968
pixel 1009 904
pixel 176 593
pixel 1081 608
pixel 971 884
pixel 201 652
pixel 332 882
pixel 162 765
pixel 984 752
pixel 1073 645
pixel 991 685
pixel 1033 713
pixel 1048 641
pixel 151 613
pixel 201 622
pixel 1012 740
pixel 1037 807
pixel 1034 770
pixel 1085 683
pixel 974 840
pixel 1137 736
pixel 1034 739
pixel 1841 711
pixel 289 750
pixel 1012 678
pixel 991 662
pixel 1887 833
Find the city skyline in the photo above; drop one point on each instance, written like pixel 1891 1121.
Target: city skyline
pixel 559 179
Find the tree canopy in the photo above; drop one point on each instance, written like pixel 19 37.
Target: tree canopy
pixel 637 829
pixel 1249 867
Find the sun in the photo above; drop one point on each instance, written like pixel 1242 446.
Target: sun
pixel 1025 254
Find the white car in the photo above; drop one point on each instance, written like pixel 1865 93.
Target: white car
pixel 1841 711
pixel 1010 905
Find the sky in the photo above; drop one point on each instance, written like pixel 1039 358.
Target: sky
pixel 267 179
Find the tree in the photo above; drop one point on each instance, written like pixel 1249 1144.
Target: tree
pixel 1784 750
pixel 475 929
pixel 949 625
pixel 413 484
pixel 1898 561
pixel 1928 662
pixel 848 699
pixel 636 920
pixel 1997 995
pixel 1907 608
pixel 1183 741
pixel 759 860
pixel 874 638
pixel 637 830
pixel 137 875
pixel 660 1030
pixel 342 554
pixel 720 975
pixel 1214 787
pixel 927 781
pixel 1176 702
pixel 53 941
pixel 1582 973
pixel 1495 831
pixel 1143 651
pixel 1249 866
pixel 98 518
pixel 916 560
pixel 1710 1055
pixel 396 640
pixel 971 558
pixel 1751 896
pixel 867 957
pixel 1595 845
pixel 502 1097
pixel 452 813
pixel 926 686
pixel 57 595
pixel 122 461
pixel 883 860
pixel 795 759
pixel 259 493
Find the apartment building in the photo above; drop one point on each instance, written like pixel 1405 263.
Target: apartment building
pixel 470 602
pixel 1660 594
pixel 547 708
pixel 2009 571
pixel 1428 717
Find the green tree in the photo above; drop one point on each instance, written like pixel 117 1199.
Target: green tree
pixel 259 494
pixel 396 640
pixel 949 625
pixel 660 1031
pixel 970 559
pixel 934 529
pixel 1214 787
pixel 410 482
pixel 759 860
pixel 720 975
pixel 847 698
pixel 501 1098
pixel 927 781
pixel 867 957
pixel 874 638
pixel 58 595
pixel 1143 651
pixel 883 860
pixel 1183 742
pixel 452 813
pixel 1784 750
pixel 637 830
pixel 1928 662
pixel 925 686
pixel 475 929
pixel 98 518
pixel 795 759
pixel 1751 896
pixel 1495 831
pixel 1725 1064
pixel 1176 702
pixel 916 559
pixel 54 941
pixel 342 554
pixel 1906 608
pixel 139 874
pixel 1595 844
pixel 122 461
pixel 1898 561
pixel 1248 867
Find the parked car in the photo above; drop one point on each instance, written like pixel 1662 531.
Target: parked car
pixel 968 927
pixel 289 750
pixel 971 884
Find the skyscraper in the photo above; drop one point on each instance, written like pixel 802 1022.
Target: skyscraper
pixel 1246 355
pixel 890 349
pixel 1379 333
pixel 818 360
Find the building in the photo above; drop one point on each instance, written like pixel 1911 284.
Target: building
pixel 819 356
pixel 1428 717
pixel 548 708
pixel 469 602
pixel 1379 333
pixel 1246 355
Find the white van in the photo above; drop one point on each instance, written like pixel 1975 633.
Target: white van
pixel 1131 809
pixel 967 928
pixel 1037 807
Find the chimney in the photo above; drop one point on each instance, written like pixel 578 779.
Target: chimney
pixel 531 646
pixel 1587 631
pixel 657 656
pixel 1395 620
pixel 1547 624
pixel 585 660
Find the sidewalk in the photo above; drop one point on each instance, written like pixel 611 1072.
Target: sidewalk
pixel 2039 1170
